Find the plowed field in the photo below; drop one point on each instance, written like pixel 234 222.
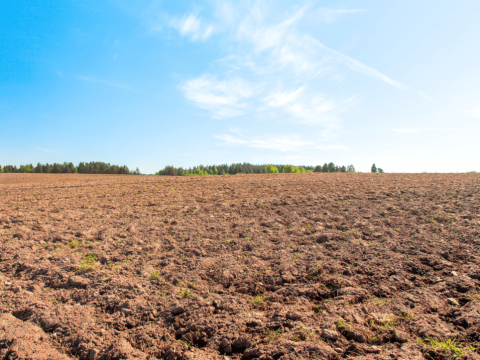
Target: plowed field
pixel 288 266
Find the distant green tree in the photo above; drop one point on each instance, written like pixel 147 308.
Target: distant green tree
pixel 343 168
pixel 270 169
pixel 302 170
pixel 288 169
pixel 380 170
pixel 26 168
pixel 57 168
pixel 39 168
pixel 1 170
pixel 374 168
pixel 350 168
pixel 325 168
pixel 318 168
pixel 331 167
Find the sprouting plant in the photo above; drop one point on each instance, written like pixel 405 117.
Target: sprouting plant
pixel 342 325
pixel 73 243
pixel 274 334
pixel 449 346
pixel 187 284
pixel 295 338
pixel 295 256
pixel 126 262
pixel 112 266
pixel 258 300
pixel 154 275
pixel 87 264
pixel 405 316
pixel 248 239
pixel 316 269
pixel 229 241
pixel 470 347
pixel 186 293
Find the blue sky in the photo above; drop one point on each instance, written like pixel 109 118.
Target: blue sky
pixel 153 83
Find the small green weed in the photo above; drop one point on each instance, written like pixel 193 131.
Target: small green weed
pixel 316 269
pixel 87 264
pixel 154 275
pixel 186 293
pixel 73 244
pixel 274 334
pixel 258 300
pixel 342 325
pixel 449 347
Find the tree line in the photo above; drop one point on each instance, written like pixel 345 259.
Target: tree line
pixel 247 168
pixel 93 167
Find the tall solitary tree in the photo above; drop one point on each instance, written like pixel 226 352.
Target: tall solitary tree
pixel 374 168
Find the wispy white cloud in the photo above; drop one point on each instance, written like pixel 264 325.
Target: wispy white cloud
pixel 224 98
pixel 331 15
pixel 285 143
pixel 408 131
pixel 473 110
pixel 95 80
pixel 332 147
pixel 273 69
pixel 190 25
pixel 425 129
pixel 280 143
pixel 103 82
pixel 281 65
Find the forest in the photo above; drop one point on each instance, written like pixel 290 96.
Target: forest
pixel 247 168
pixel 93 167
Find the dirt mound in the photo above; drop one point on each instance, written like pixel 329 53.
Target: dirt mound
pixel 284 266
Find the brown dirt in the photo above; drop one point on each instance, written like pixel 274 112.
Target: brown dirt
pixel 300 266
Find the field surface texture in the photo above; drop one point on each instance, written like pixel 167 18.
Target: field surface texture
pixel 287 266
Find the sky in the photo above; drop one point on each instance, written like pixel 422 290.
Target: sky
pixel 149 83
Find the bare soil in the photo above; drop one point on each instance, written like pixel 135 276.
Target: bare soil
pixel 297 266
